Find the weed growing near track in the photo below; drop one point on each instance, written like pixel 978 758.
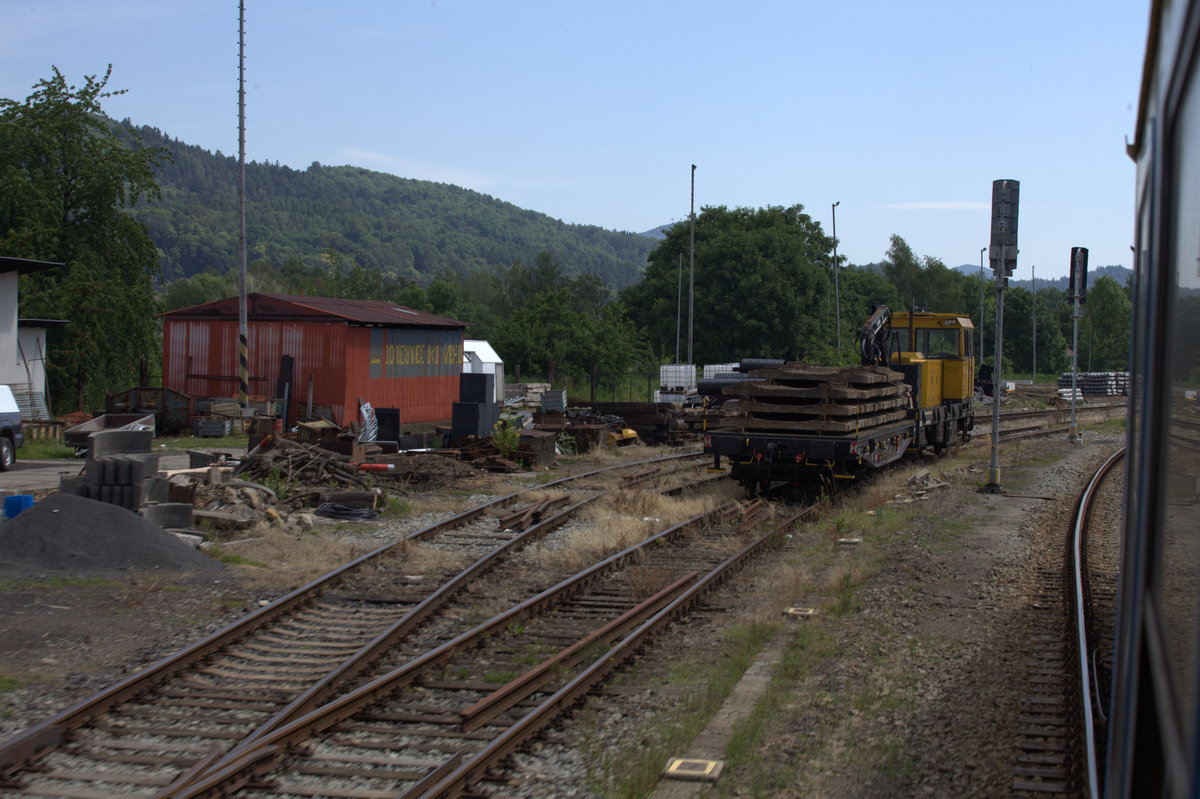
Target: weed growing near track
pixel 634 769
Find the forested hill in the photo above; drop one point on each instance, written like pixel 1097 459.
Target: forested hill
pixel 408 229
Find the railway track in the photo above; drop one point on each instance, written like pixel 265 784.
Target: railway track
pixel 137 737
pixel 436 723
pixel 1061 708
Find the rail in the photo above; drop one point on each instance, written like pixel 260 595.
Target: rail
pixel 1079 564
pixel 31 744
pixel 623 636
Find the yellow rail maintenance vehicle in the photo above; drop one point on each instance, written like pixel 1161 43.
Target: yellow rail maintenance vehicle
pixel 803 425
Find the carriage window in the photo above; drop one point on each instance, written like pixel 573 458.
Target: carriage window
pixel 932 342
pixel 1177 591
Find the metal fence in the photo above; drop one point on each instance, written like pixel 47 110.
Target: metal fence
pixel 623 386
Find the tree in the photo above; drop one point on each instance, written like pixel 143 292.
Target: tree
pixel 924 283
pixel 763 286
pixel 66 173
pixel 202 288
pixel 1106 327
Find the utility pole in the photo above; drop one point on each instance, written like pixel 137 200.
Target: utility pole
pixel 1033 271
pixel 243 325
pixel 982 250
pixel 692 267
pixel 678 307
pixel 1003 254
pixel 837 299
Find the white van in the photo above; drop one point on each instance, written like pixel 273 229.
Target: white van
pixel 10 428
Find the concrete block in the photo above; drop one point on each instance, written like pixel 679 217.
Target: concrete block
pixel 143 465
pixel 119 470
pixel 156 489
pixel 168 514
pixel 77 486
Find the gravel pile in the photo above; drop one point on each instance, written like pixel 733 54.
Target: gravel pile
pixel 71 535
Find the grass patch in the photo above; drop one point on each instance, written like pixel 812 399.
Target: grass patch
pixel 625 517
pixel 44 449
pixel 238 560
pixel 1112 426
pixel 394 508
pixel 276 481
pixel 179 444
pixel 56 583
pixel 753 735
pixel 502 677
pixel 280 560
pixel 8 683
pixel 845 602
pixel 633 770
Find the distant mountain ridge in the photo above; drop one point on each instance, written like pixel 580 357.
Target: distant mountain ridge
pixel 408 229
pixel 1121 274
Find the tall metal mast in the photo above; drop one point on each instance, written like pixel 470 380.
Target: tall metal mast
pixel 692 267
pixel 243 332
pixel 1003 256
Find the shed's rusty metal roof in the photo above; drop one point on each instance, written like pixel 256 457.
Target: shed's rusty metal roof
pixel 278 307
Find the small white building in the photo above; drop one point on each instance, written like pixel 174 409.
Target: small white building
pixel 23 341
pixel 480 358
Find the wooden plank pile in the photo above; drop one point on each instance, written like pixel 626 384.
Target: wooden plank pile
pixel 300 464
pixel 822 400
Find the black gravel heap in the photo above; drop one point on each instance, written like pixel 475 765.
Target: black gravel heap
pixel 68 534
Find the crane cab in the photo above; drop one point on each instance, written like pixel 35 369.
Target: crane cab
pixel 934 351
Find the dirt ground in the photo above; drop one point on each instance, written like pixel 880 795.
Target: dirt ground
pixel 918 647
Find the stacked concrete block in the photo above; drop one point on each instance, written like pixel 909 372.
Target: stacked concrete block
pixel 119 479
pixel 119 464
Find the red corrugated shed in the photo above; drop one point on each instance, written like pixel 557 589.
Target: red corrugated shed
pixel 343 350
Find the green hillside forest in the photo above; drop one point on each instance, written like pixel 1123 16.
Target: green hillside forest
pixel 408 230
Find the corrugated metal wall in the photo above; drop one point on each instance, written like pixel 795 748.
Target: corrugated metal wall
pixel 413 369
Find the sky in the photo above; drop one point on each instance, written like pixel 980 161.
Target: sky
pixel 593 113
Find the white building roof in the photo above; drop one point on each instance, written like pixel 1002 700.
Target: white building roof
pixel 482 350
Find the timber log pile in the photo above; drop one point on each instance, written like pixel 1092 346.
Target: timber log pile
pixel 299 464
pixel 817 400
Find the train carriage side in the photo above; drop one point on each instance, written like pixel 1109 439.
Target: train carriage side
pixel 1154 715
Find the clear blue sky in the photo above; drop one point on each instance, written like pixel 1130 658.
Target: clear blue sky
pixel 593 112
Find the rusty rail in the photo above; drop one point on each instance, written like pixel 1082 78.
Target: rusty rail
pixel 19 751
pixel 1080 575
pixel 259 756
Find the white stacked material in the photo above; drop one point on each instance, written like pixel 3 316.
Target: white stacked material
pixel 1097 384
pixel 677 377
pixel 714 369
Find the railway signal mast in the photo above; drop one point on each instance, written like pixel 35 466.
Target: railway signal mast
pixel 1002 254
pixel 1077 293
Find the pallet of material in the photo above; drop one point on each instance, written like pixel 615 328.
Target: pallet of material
pixel 822 400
